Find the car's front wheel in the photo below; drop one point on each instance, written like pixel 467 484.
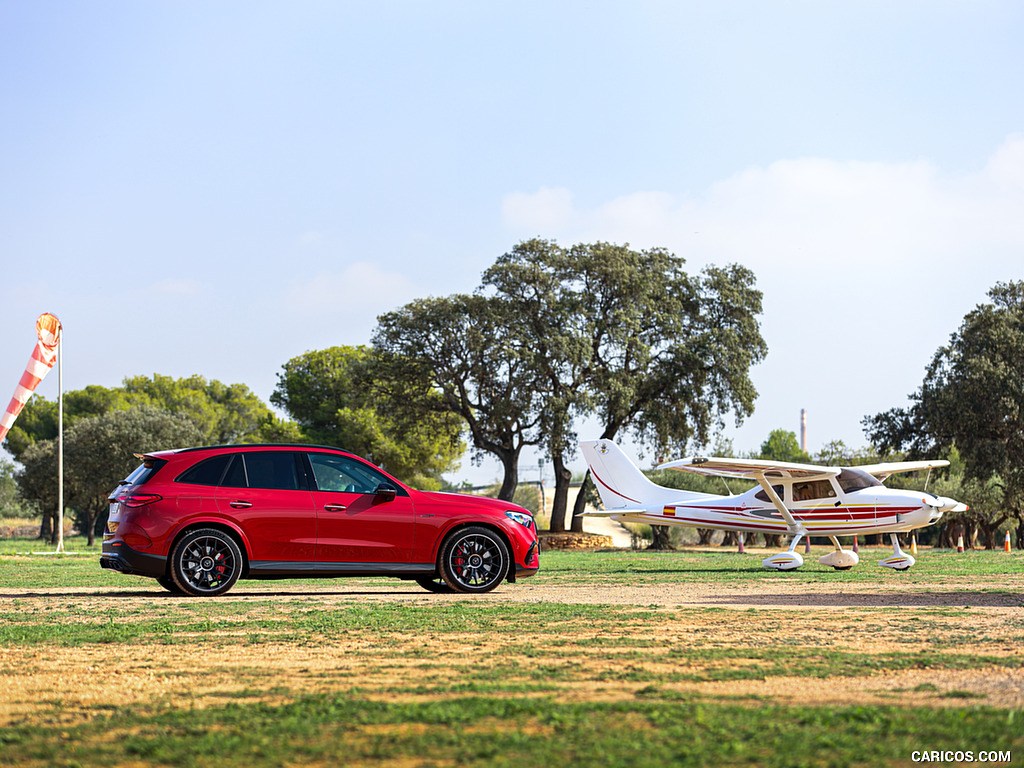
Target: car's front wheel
pixel 474 559
pixel 206 562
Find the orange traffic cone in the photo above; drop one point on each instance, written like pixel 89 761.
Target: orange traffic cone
pixel 1006 542
pixel 913 544
pixel 740 535
pixel 960 543
pixel 855 547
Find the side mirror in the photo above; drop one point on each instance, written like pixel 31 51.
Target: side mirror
pixel 386 492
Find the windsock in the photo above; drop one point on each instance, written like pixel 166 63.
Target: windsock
pixel 39 364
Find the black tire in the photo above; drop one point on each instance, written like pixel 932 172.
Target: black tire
pixel 168 583
pixel 206 562
pixel 474 560
pixel 435 584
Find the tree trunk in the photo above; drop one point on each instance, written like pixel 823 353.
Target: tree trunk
pixel 563 477
pixel 46 528
pixel 581 504
pixel 703 536
pixel 772 540
pixel 661 538
pixel 510 480
pixel 731 539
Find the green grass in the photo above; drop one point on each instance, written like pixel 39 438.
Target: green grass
pixel 649 730
pixel 441 681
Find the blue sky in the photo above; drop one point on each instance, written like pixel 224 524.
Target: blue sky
pixel 216 187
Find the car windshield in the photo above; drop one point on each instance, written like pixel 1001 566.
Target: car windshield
pixel 855 480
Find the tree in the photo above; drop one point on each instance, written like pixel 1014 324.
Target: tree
pixel 782 445
pixel 224 413
pixel 11 502
pixel 972 397
pixel 98 454
pixel 466 348
pixel 671 352
pixel 338 396
pixel 534 280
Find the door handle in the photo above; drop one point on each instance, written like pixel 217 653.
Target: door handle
pixel 335 507
pixel 238 504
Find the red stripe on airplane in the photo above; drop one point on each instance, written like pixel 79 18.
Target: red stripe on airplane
pixel 617 493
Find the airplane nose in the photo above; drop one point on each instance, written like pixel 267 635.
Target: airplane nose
pixel 946 504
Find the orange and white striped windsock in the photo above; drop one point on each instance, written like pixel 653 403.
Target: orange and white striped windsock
pixel 42 360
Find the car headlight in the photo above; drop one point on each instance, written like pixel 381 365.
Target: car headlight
pixel 522 518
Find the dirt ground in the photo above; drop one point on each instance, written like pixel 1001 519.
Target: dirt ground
pixel 69 684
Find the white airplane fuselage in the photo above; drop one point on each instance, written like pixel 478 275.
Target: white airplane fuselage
pixel 870 510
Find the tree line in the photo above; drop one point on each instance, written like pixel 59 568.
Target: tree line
pixel 551 336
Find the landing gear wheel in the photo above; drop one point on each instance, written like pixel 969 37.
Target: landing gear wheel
pixel 474 560
pixel 435 584
pixel 206 562
pixel 168 583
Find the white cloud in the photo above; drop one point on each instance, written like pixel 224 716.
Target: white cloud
pixel 547 209
pixel 804 212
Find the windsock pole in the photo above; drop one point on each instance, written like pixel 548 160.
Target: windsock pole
pixel 60 448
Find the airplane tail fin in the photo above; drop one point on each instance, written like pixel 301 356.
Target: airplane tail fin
pixel 620 482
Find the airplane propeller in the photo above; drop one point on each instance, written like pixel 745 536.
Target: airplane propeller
pixel 946 504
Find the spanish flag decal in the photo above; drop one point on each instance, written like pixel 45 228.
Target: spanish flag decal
pixel 669 511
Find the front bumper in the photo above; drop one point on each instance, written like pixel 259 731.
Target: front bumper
pixel 118 556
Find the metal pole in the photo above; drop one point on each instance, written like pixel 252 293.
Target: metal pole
pixel 60 446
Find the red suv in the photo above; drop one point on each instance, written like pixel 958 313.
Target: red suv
pixel 199 519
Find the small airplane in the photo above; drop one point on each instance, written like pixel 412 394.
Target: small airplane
pixel 796 499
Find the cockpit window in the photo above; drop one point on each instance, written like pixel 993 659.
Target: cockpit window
pixel 762 495
pixel 854 480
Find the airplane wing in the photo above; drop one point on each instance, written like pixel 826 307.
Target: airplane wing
pixel 882 471
pixel 750 468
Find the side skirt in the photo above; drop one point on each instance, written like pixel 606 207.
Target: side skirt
pixel 279 569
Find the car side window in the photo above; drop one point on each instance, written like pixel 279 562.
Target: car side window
pixel 235 476
pixel 207 472
pixel 339 473
pixel 276 470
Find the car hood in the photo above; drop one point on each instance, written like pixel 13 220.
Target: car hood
pixel 480 502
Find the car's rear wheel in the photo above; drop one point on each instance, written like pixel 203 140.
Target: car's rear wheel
pixel 474 560
pixel 206 562
pixel 435 584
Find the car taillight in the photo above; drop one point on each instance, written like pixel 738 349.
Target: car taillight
pixel 139 499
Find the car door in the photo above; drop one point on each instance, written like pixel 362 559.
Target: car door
pixel 266 492
pixel 358 528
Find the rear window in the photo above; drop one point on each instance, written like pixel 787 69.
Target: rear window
pixel 144 471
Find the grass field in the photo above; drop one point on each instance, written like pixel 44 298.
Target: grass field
pixel 604 659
